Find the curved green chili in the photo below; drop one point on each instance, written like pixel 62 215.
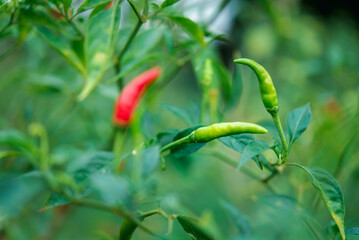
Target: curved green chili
pixel 266 86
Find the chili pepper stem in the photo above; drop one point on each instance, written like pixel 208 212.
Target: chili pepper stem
pixel 119 142
pixel 185 139
pixel 278 124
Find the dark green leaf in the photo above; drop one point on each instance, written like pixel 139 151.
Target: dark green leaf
pixel 193 228
pixel 237 142
pixel 224 78
pixel 98 47
pixel 190 27
pixel 241 222
pixel 62 46
pixel 253 149
pixel 298 121
pixel 236 87
pixel 182 113
pixel 18 193
pixel 330 192
pixel 82 169
pixel 354 231
pixel 89 164
pixel 167 3
pixel 88 4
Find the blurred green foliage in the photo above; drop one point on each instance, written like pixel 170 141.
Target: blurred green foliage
pixel 45 63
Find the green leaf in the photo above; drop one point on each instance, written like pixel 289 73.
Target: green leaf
pixel 354 231
pixel 167 3
pixel 193 227
pixel 330 192
pixel 298 121
pixel 88 4
pixel 253 149
pixel 18 193
pixel 190 27
pixel 82 169
pixel 151 158
pixel 182 113
pixel 236 87
pixel 239 220
pixel 113 189
pixel 19 142
pixel 62 46
pixel 186 148
pixel 98 47
pixel 237 142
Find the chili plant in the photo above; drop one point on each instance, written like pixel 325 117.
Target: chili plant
pixel 142 173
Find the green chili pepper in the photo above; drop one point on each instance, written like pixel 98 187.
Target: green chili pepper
pixel 217 130
pixel 268 92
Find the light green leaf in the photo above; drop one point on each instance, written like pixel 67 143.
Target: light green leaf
pixel 167 3
pixel 193 227
pixel 62 46
pixel 298 121
pixel 253 149
pixel 330 192
pixel 190 27
pixel 98 47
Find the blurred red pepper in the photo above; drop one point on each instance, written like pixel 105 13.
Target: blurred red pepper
pixel 109 5
pixel 130 96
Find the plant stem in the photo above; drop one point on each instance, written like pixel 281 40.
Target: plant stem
pixel 185 139
pixel 277 123
pixel 141 20
pixel 117 210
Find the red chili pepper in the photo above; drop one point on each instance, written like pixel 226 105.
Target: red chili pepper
pixel 130 96
pixel 109 5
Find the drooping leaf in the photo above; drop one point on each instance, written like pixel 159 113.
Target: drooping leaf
pixel 298 121
pixel 193 227
pixel 253 149
pixel 62 46
pixel 239 220
pixel 98 47
pixel 330 192
pixel 167 3
pixel 190 27
pixel 182 113
pixel 237 142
